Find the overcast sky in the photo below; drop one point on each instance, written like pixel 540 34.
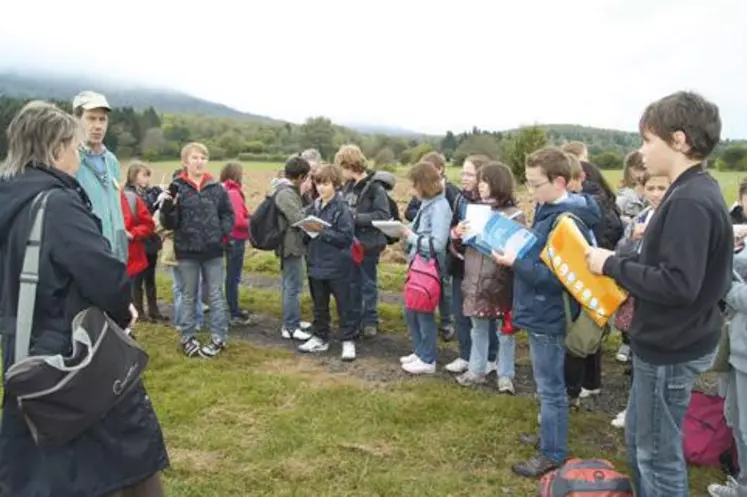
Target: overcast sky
pixel 423 65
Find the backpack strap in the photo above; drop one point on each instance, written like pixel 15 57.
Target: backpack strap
pixel 30 278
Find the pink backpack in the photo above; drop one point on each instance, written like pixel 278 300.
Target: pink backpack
pixel 707 440
pixel 423 282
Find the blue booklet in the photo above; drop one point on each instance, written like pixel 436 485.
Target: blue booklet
pixel 501 233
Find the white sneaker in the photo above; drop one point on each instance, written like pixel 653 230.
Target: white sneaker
pixel 297 334
pixel 729 489
pixel 457 366
pixel 506 385
pixel 348 350
pixel 408 358
pixel 619 421
pixel 585 394
pixel 314 345
pixel 304 325
pixel 492 367
pixel 419 367
pixel 470 379
pixel 623 353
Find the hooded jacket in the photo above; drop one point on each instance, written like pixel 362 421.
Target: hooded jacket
pixel 201 217
pixel 369 202
pixel 538 293
pixel 77 270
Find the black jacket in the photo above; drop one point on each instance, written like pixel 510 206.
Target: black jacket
pixel 682 271
pixel 77 270
pixel 368 201
pixel 329 255
pixel 200 217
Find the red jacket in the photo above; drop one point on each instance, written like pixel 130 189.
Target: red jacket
pixel 240 211
pixel 140 226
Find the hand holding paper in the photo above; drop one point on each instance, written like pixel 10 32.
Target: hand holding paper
pixel 312 225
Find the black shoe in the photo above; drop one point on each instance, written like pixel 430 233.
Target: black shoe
pixel 534 467
pixel 530 439
pixel 447 332
pixel 191 347
pixel 158 318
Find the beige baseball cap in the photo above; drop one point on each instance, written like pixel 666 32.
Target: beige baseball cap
pixel 88 100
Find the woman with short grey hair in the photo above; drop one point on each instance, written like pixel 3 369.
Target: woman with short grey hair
pixel 123 453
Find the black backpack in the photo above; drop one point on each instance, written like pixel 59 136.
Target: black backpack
pixel 393 207
pixel 264 228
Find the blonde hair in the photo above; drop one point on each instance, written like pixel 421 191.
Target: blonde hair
pixel 577 149
pixel 191 147
pixel 351 158
pixel 133 170
pixel 35 136
pixel 577 170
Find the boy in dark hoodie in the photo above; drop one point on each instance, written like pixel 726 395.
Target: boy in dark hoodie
pixel 678 277
pixel 538 303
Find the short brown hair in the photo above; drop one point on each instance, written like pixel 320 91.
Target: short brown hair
pixel 500 182
pixel 478 160
pixel 133 170
pixel 689 113
pixel 328 173
pixel 426 179
pixel 191 147
pixel 436 159
pixel 633 162
pixel 577 170
pixel 575 148
pixel 553 161
pixel 351 158
pixel 233 171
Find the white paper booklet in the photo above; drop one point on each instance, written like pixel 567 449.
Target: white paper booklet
pixel 311 220
pixel 477 216
pixel 389 228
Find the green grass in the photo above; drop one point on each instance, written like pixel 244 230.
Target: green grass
pixel 265 422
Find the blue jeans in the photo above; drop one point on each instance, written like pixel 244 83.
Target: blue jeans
pixel 423 332
pixel 548 359
pixel 482 332
pixel 212 274
pixel 658 400
pixel 292 287
pixel 234 265
pixel 445 306
pixel 369 289
pixel 177 287
pixel 464 325
pixel 735 411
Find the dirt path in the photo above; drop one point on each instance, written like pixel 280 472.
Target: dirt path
pixel 378 362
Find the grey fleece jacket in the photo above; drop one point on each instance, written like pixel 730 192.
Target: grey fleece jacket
pixel 290 204
pixel 737 300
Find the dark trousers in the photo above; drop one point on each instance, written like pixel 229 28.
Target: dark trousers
pixel 146 279
pixel 583 372
pixel 321 291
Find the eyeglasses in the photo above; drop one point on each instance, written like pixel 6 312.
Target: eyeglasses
pixel 530 186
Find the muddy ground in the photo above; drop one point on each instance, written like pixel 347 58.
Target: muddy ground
pixel 378 358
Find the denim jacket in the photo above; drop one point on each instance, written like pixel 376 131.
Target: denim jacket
pixel 432 223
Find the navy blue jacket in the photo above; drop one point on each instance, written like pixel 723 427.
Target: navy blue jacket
pixel 538 294
pixel 329 255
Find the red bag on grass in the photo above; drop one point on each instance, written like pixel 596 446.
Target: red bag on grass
pixel 585 478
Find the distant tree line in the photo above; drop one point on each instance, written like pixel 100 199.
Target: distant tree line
pixel 152 136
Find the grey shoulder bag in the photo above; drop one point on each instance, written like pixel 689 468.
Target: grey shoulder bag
pixel 63 396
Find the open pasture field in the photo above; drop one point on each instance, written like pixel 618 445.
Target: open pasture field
pixel 263 421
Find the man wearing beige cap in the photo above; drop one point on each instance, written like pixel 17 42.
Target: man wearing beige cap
pixel 99 173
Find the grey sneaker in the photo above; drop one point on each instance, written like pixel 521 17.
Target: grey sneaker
pixel 470 379
pixel 370 331
pixel 506 385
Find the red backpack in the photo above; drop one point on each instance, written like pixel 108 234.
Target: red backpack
pixel 423 283
pixel 707 439
pixel 585 478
